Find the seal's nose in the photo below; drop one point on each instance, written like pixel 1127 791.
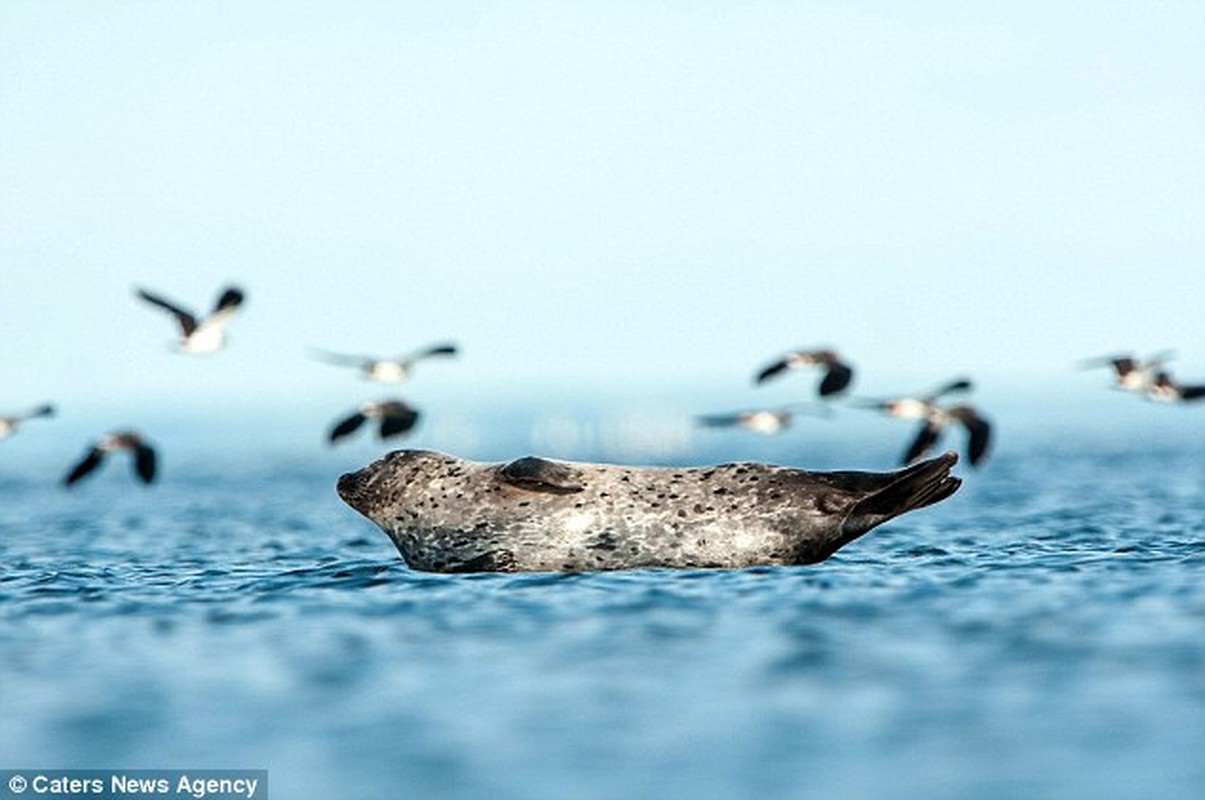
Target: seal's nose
pixel 349 487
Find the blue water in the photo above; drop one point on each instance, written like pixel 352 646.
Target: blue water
pixel 1041 634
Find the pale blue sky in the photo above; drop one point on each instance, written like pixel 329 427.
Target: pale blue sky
pixel 596 194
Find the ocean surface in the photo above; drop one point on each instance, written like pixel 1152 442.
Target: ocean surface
pixel 1040 634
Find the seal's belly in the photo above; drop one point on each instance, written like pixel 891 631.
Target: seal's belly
pixel 584 540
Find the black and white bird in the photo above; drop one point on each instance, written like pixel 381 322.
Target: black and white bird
pixel 1165 389
pixel 396 417
pixel 915 406
pixel 1131 374
pixel 143 454
pixel 837 373
pixel 10 422
pixel 386 370
pixel 200 336
pixel 766 421
pixel 978 432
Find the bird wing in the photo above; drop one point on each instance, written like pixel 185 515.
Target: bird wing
pixel 441 349
pixel 1158 359
pixel 44 410
pixel 979 434
pixel 1124 365
pixel 925 439
pixel 398 420
pixel 1191 392
pixel 718 420
pixel 231 298
pixel 812 409
pixel 341 359
pixel 769 371
pixel 958 385
pixel 188 322
pixel 144 462
pixel 85 466
pixel 1120 363
pixel 228 303
pixel 836 379
pixel 346 427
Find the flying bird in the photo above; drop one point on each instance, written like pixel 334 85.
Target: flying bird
pixel 1131 374
pixel 143 454
pixel 837 374
pixel 978 431
pixel 766 421
pixel 386 370
pixel 1165 389
pixel 395 416
pixel 916 406
pixel 10 422
pixel 201 336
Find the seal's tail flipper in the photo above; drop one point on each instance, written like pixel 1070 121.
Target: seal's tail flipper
pixel 917 486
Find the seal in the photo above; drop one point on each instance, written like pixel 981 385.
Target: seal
pixel 448 514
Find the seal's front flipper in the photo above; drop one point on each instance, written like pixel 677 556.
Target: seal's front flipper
pixel 541 475
pixel 493 561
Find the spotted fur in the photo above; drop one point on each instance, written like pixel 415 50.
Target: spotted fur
pixel 448 514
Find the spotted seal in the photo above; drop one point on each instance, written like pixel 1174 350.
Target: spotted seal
pixel 448 514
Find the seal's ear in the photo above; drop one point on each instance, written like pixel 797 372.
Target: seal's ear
pixel 540 475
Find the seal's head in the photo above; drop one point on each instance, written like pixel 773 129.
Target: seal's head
pixel 384 482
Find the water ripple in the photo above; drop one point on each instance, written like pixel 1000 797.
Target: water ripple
pixel 1038 634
